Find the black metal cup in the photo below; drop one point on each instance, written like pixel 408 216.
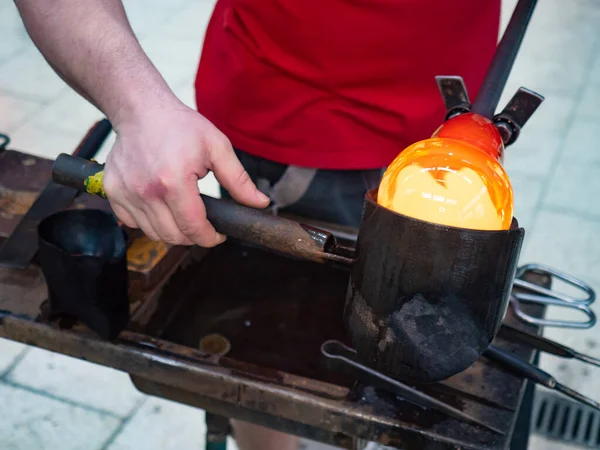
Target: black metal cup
pixel 426 300
pixel 83 255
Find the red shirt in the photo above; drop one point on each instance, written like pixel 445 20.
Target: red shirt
pixel 338 84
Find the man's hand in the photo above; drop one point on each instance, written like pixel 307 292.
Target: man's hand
pixel 162 147
pixel 152 172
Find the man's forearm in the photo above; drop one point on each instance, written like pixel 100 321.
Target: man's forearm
pixel 90 44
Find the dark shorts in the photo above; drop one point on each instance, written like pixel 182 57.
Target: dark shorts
pixel 334 196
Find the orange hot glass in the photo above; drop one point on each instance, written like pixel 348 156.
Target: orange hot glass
pixel 454 178
pixel 476 130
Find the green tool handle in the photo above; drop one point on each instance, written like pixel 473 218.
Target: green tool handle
pixel 81 174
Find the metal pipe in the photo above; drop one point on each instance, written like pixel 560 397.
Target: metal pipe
pixel 495 79
pixel 228 217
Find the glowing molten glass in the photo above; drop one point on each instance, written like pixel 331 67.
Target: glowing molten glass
pixel 455 178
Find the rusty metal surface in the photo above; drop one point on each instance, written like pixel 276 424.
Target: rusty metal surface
pixel 22 178
pixel 275 312
pixel 303 401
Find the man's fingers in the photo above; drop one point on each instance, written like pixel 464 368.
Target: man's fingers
pixel 124 216
pixel 162 221
pixel 231 174
pixel 190 215
pixel 143 223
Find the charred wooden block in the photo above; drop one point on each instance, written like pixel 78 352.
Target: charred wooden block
pixel 425 300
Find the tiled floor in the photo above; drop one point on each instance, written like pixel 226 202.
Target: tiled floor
pixel 51 402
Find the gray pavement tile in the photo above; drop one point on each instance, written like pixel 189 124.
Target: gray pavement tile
pixel 14 111
pixel 533 153
pixel 581 143
pixel 33 422
pixel 558 47
pixel 595 70
pixel 552 116
pixel 78 381
pixel 69 112
pixel 9 352
pixel 570 244
pixel 567 242
pixel 589 105
pixel 14 40
pixel 164 425
pixel 190 22
pixel 44 141
pixel 11 20
pixel 174 49
pixel 537 442
pixel 527 191
pixel 146 16
pixel 575 186
pixel 28 75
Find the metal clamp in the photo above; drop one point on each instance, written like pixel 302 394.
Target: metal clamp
pixel 516 113
pixel 509 122
pixel 525 292
pixel 455 95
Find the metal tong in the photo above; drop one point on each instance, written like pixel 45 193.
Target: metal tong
pixel 526 292
pixel 344 359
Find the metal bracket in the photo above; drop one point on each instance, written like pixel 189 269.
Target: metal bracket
pixel 455 95
pixel 516 113
pixel 509 122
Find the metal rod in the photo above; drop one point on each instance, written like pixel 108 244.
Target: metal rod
pixel 335 350
pixel 228 217
pixel 495 79
pixel 535 374
pixel 544 345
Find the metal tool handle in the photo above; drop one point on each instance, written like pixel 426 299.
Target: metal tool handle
pixel 93 140
pixel 228 217
pixel 520 367
pixel 544 345
pixel 526 370
pixel 495 79
pixel 537 342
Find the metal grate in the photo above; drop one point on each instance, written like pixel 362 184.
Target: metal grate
pixel 565 420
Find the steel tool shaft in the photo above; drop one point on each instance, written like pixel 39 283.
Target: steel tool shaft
pixel 337 352
pixel 228 217
pixel 535 374
pixel 495 79
pixel 545 345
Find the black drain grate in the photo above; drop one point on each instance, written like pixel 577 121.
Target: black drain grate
pixel 565 420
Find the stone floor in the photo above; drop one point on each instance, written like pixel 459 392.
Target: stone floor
pixel 54 402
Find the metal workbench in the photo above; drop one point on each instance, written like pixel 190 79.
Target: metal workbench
pixel 275 312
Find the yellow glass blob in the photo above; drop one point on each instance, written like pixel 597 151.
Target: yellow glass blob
pixel 449 181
